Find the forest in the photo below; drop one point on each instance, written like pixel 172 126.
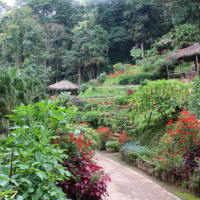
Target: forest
pixel 52 40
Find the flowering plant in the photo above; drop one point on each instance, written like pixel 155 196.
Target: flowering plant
pixel 133 150
pixel 122 138
pixel 180 138
pixel 130 92
pixel 104 135
pixel 120 73
pixel 78 102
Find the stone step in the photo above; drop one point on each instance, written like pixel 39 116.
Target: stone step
pixel 116 134
pixel 115 138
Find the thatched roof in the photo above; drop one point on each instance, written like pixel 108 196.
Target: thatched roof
pixel 63 85
pixel 187 54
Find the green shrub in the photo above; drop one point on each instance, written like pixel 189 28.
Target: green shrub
pixel 135 79
pixel 141 77
pixel 126 79
pixel 101 78
pixel 90 107
pixel 117 66
pixel 144 82
pixel 122 68
pixel 112 144
pixel 148 68
pixel 121 99
pixel 83 87
pixel 93 82
pixel 92 118
pixel 195 97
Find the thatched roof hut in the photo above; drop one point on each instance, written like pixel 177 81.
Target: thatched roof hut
pixel 63 85
pixel 190 53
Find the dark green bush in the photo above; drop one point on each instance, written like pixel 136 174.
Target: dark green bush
pixel 121 99
pixel 126 79
pixel 135 79
pixel 144 82
pixel 83 87
pixel 101 78
pixel 92 118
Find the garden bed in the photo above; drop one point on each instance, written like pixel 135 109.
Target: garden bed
pixel 164 176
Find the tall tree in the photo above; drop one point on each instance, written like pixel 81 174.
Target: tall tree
pixel 142 21
pixel 23 38
pixel 90 45
pixel 179 12
pixel 110 17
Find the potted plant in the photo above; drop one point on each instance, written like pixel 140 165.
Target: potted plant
pixel 112 146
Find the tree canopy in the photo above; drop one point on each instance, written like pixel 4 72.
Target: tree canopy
pixel 77 40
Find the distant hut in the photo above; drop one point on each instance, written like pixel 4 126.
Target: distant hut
pixel 191 53
pixel 63 85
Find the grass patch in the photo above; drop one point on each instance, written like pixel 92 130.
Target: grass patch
pixel 185 196
pixel 115 80
pixel 104 108
pixel 155 129
pixel 109 100
pixel 111 81
pixel 100 92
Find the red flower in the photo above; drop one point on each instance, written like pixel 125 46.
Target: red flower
pixel 71 137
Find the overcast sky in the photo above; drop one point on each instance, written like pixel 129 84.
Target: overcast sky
pixel 9 2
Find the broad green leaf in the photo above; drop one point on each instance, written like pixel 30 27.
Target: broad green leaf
pixel 38 156
pixel 19 197
pixel 26 195
pixel 48 167
pixel 35 163
pixel 25 180
pixel 53 193
pixel 13 72
pixel 26 127
pixel 14 127
pixel 14 181
pixel 42 175
pixel 31 190
pixel 12 116
pixel 67 173
pixel 62 171
pixel 46 196
pixel 3 181
pixel 20 121
pixel 23 166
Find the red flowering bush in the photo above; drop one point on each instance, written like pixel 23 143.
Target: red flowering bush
pixel 120 73
pixel 104 135
pixel 88 181
pixel 180 138
pixel 122 138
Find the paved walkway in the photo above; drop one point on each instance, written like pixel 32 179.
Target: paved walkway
pixel 127 184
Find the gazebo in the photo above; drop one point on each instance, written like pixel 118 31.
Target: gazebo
pixel 191 53
pixel 63 85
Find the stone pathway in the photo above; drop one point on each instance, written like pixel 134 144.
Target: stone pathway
pixel 127 184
